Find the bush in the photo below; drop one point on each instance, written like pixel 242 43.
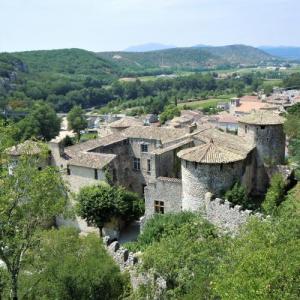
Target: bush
pixel 161 226
pixel 238 195
pixel 275 194
pixel 184 253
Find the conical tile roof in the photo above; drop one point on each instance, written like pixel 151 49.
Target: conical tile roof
pixel 210 153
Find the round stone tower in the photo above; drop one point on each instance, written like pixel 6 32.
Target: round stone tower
pixel 264 129
pixel 208 168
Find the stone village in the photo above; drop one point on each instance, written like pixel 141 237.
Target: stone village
pixel 175 168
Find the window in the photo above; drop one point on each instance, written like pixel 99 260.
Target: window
pixel 68 170
pixel 246 128
pixel 143 189
pixel 144 147
pixel 159 207
pixel 114 175
pixel 136 164
pixel 95 174
pixel 262 127
pixel 148 166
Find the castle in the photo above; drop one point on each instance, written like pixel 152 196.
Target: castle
pixel 174 168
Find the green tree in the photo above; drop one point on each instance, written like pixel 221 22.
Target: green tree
pixel 292 129
pixel 76 120
pixel 100 203
pixel 263 261
pixel 169 113
pixel 29 199
pixel 66 266
pixel 41 122
pixel 184 252
pixel 275 194
pixel 238 195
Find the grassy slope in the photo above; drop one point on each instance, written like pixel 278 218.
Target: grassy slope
pixel 189 58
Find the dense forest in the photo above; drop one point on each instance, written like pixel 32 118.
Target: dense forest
pixel 68 77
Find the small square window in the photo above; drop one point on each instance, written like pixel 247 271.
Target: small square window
pixel 144 147
pixel 159 207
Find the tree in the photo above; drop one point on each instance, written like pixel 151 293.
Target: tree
pixel 238 195
pixel 29 200
pixel 100 203
pixel 76 120
pixel 184 249
pixel 292 129
pixel 169 113
pixel 41 122
pixel 263 261
pixel 275 194
pixel 66 266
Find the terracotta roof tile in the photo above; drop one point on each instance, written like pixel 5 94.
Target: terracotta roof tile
pixel 210 153
pixel 262 117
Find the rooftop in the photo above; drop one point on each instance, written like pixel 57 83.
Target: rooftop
pixel 236 144
pixel 125 123
pixel 262 117
pixel 210 153
pixel 249 106
pixel 26 148
pixel 163 134
pixel 91 160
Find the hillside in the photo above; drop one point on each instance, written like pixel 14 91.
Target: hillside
pixel 194 58
pixel 67 61
pixel 63 77
pixel 284 52
pixel 10 69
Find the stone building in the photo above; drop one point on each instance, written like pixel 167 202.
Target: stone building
pixel 216 160
pixel 174 168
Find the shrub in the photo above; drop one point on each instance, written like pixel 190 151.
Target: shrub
pixel 275 194
pixel 238 195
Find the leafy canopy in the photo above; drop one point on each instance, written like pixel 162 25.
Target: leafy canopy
pixel 66 266
pixel 263 261
pixel 275 194
pixel 41 122
pixel 76 120
pixel 29 200
pixel 100 203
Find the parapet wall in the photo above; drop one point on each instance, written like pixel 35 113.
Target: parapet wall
pixel 224 215
pixel 129 261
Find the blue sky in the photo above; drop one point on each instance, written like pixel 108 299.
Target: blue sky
pixel 101 25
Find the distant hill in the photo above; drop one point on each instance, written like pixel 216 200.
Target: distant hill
pixel 193 58
pixel 148 47
pixel 283 51
pixel 68 62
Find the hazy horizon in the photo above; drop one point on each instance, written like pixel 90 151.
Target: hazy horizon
pixel 118 24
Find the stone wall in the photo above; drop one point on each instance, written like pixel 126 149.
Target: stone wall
pixel 222 214
pixel 270 150
pixel 163 189
pixel 129 261
pixel 86 172
pixel 198 179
